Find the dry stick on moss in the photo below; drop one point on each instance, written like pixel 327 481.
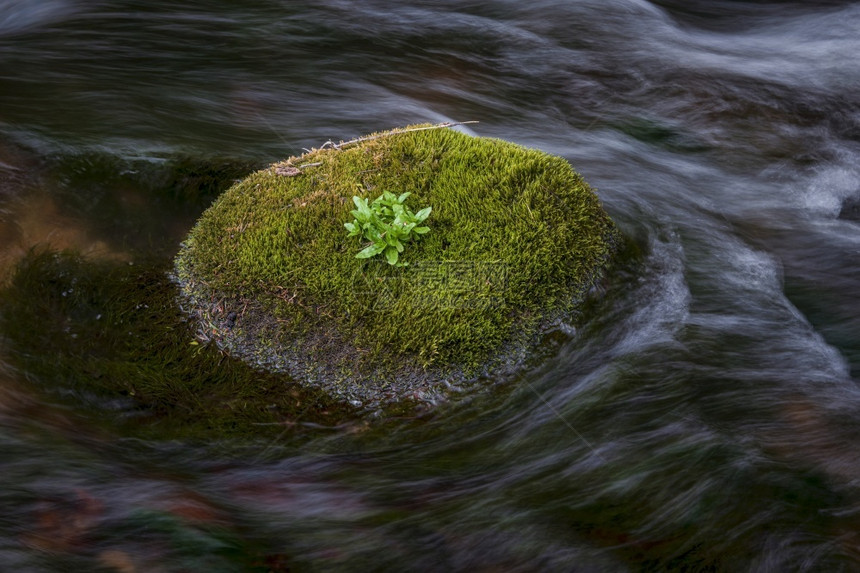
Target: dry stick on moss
pixel 343 144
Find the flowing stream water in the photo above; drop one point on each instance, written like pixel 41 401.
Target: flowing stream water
pixel 705 417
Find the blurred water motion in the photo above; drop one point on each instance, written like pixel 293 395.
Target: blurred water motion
pixel 704 418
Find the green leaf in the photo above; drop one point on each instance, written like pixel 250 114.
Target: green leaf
pixel 362 205
pixel 370 251
pixel 387 223
pixel 390 238
pixel 391 255
pixel 373 234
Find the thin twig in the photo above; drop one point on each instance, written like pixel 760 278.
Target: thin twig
pixel 343 144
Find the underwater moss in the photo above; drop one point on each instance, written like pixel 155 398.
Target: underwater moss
pixel 517 239
pixel 107 338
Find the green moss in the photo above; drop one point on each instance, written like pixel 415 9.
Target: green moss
pixel 517 238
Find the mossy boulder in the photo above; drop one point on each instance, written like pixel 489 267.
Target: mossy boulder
pixel 516 240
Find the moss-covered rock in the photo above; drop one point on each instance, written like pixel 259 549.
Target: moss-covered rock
pixel 517 238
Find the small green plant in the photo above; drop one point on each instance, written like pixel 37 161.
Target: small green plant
pixel 387 223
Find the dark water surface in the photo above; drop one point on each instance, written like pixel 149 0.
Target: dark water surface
pixel 705 418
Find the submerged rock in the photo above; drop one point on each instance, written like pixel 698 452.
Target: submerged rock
pixel 516 240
